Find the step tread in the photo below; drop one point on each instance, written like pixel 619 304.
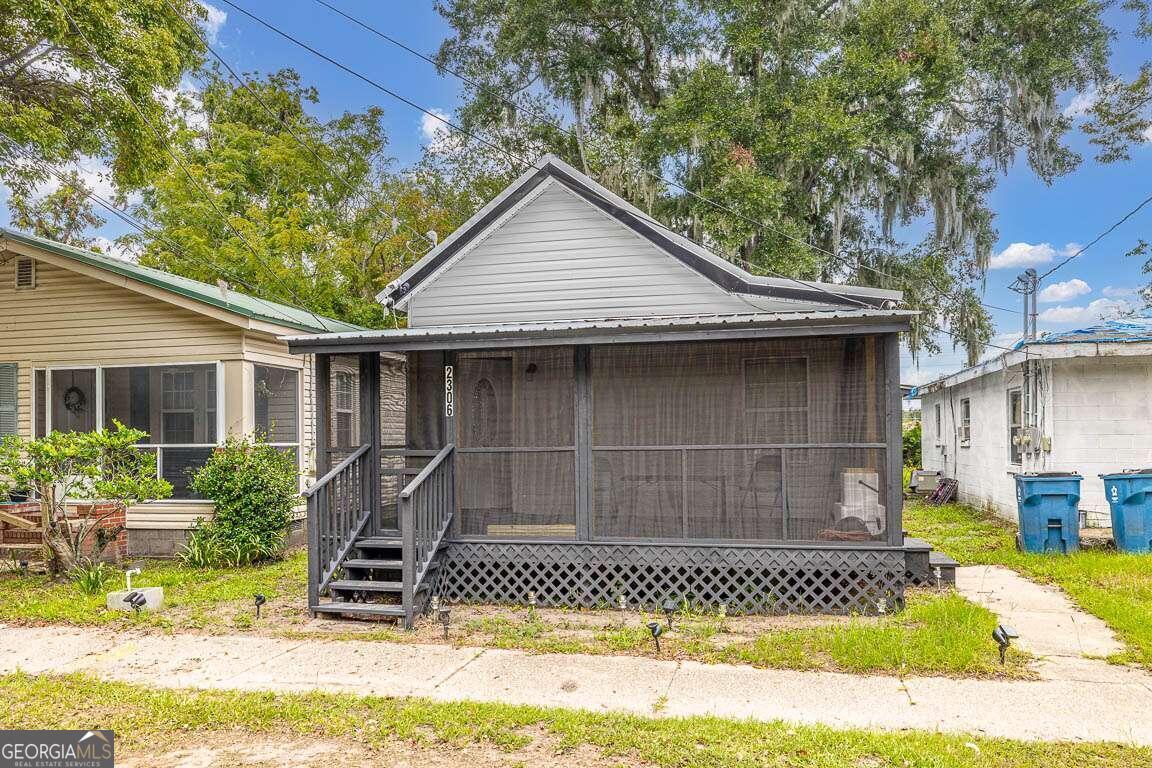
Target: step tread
pixel 941 560
pixel 380 541
pixel 373 609
pixel 367 586
pixel 363 562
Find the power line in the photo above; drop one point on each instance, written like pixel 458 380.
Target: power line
pixel 546 118
pixel 1100 237
pixel 143 228
pixel 176 159
pixel 287 126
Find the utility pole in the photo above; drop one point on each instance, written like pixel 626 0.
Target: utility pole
pixel 1028 285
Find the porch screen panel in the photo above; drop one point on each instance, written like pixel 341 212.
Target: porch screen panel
pixel 701 440
pixel 515 439
pixel 344 407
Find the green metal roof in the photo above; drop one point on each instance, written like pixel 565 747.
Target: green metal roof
pixel 238 303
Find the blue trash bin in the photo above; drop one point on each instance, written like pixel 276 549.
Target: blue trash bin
pixel 1130 496
pixel 1049 518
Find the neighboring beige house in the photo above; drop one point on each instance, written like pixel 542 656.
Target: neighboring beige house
pixel 86 338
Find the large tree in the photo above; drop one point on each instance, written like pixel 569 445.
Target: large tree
pixel 84 79
pixel 287 206
pixel 844 140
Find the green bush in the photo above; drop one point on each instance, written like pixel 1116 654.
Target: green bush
pixel 912 456
pixel 254 487
pixel 90 578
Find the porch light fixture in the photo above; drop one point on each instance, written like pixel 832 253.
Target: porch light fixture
pixel 1004 636
pixel 445 616
pixel 656 630
pixel 671 606
pixel 259 600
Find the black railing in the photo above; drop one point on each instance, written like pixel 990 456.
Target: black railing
pixel 425 512
pixel 338 508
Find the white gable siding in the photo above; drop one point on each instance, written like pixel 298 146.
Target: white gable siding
pixel 560 258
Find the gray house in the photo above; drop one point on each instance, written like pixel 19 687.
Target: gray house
pixel 600 411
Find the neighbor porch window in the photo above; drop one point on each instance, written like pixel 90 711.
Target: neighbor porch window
pixel 965 423
pixel 177 405
pixel 277 407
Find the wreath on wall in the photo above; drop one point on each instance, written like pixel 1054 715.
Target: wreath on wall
pixel 75 399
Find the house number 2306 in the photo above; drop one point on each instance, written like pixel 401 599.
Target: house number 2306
pixel 449 391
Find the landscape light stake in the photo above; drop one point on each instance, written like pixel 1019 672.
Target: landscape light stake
pixel 23 567
pixel 656 630
pixel 671 605
pixel 445 619
pixel 259 600
pixel 1004 636
pixel 136 600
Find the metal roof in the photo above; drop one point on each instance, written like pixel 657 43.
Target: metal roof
pixel 606 329
pixel 233 301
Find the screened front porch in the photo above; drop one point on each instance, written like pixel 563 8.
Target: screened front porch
pixel 762 472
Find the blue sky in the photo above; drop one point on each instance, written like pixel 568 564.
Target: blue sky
pixel 1037 223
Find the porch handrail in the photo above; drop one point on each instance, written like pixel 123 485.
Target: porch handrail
pixel 426 507
pixel 339 506
pixel 316 486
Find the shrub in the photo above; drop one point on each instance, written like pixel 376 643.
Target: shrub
pixel 912 456
pixel 91 578
pixel 254 487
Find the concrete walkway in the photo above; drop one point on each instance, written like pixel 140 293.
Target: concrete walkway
pixel 1076 698
pixel 1050 625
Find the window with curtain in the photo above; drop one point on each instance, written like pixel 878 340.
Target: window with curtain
pixel 516 446
pixel 776 439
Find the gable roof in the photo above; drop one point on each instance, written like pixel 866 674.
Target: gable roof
pixel 202 293
pixel 719 271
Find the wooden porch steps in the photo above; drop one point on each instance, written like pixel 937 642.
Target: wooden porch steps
pixel 360 585
pixel 379 542
pixel 361 609
pixel 372 563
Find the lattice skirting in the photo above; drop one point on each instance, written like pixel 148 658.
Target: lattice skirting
pixel 744 579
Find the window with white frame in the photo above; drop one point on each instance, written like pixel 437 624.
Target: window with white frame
pixel 965 422
pixel 277 407
pixel 176 405
pixel 344 410
pixel 1015 426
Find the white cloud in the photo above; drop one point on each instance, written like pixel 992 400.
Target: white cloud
pixel 1116 292
pixel 1029 255
pixel 94 174
pixel 1147 134
pixel 435 131
pixel 1097 310
pixel 1069 289
pixel 215 20
pixel 1081 103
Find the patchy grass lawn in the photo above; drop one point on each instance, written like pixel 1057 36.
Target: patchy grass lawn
pixel 148 721
pixel 1114 586
pixel 213 599
pixel 940 633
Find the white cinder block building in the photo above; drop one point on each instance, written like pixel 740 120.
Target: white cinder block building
pixel 1070 401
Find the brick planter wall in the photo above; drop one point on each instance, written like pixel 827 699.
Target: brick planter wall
pixel 116 551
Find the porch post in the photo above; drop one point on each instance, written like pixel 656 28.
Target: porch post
pixel 583 433
pixel 320 408
pixel 370 433
pixel 893 436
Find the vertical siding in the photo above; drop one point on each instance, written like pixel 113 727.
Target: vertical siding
pixel 560 258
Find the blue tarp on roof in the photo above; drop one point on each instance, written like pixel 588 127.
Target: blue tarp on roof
pixel 1126 330
pixel 1123 330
